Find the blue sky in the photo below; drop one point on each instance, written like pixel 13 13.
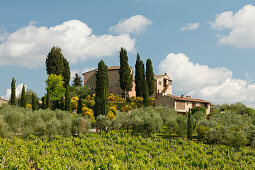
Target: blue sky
pixel 207 51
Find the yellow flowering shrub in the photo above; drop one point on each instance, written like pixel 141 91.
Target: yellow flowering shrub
pixel 152 101
pixel 114 98
pixel 139 101
pixel 29 106
pixel 110 115
pixel 87 111
pixel 126 108
pixel 74 102
pixel 113 109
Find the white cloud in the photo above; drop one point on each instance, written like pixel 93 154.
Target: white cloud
pixel 29 46
pixel 3 34
pixel 133 25
pixel 214 84
pixel 18 91
pixel 190 26
pixel 241 25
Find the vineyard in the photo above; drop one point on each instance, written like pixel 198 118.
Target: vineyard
pixel 119 151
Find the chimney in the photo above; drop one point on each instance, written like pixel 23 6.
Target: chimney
pixel 165 74
pixel 188 96
pixel 182 96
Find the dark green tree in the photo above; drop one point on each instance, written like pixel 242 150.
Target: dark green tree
pixel 66 72
pixel 23 100
pixel 57 64
pixel 146 101
pixel 79 107
pixel 47 101
pixel 139 77
pixel 34 102
pixel 190 128
pixel 62 103
pixel 43 102
pixel 13 92
pixel 102 83
pixel 67 100
pixel 150 76
pixel 77 82
pixel 126 78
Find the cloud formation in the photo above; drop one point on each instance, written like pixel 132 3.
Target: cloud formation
pixel 190 27
pixel 241 25
pixel 18 91
pixel 29 46
pixel 214 84
pixel 133 25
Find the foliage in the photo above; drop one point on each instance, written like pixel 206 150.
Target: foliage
pixel 55 88
pixel 150 76
pixel 34 102
pixel 102 84
pixel 139 76
pixel 13 92
pixel 146 95
pixel 57 64
pixel 88 112
pixel 77 82
pixel 102 123
pixel 24 122
pixel 67 100
pixel 82 91
pixel 23 101
pixel 190 127
pixel 126 78
pixel 198 109
pixel 79 106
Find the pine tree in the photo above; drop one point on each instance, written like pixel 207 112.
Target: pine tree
pixel 190 128
pixel 13 92
pixel 79 107
pixel 34 102
pixel 150 76
pixel 77 82
pixel 139 75
pixel 126 77
pixel 57 64
pixel 102 83
pixel 23 101
pixel 67 100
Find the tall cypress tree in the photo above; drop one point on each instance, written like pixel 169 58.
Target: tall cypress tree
pixel 190 128
pixel 34 102
pixel 66 72
pixel 23 101
pixel 139 74
pixel 79 107
pixel 126 77
pixel 67 100
pixel 150 76
pixel 102 83
pixel 47 101
pixel 77 82
pixel 13 92
pixel 43 102
pixel 146 101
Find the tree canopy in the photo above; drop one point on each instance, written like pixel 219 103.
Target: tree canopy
pixel 55 87
pixel 77 82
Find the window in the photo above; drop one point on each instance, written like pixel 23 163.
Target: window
pixel 159 82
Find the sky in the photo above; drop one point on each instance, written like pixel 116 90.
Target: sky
pixel 206 47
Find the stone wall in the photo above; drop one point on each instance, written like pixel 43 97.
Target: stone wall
pixel 165 101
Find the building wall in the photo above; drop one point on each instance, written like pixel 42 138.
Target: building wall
pixel 184 106
pixel 114 82
pixel 159 87
pixel 165 101
pixel 2 102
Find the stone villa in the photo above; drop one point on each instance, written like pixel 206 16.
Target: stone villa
pixel 162 90
pixel 3 101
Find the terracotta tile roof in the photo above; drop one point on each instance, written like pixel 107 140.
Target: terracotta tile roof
pixel 187 99
pixel 109 68
pixel 160 76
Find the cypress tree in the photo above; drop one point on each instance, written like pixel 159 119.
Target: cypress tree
pixel 150 76
pixel 62 103
pixel 102 83
pixel 66 72
pixel 13 92
pixel 43 102
pixel 67 100
pixel 47 101
pixel 34 102
pixel 190 128
pixel 77 82
pixel 146 94
pixel 139 74
pixel 79 107
pixel 126 77
pixel 23 101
